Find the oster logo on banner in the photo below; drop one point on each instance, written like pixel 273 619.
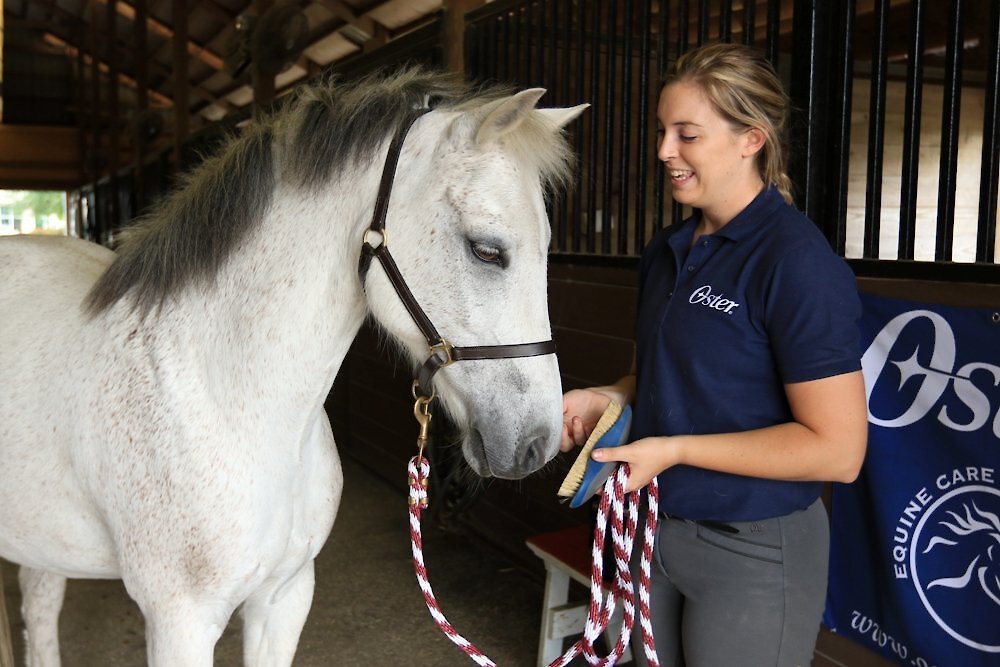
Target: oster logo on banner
pixel 915 560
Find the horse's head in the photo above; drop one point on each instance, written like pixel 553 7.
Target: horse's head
pixel 468 229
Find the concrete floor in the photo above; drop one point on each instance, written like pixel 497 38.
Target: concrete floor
pixel 367 610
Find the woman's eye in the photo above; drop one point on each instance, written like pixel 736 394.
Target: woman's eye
pixel 687 139
pixel 487 253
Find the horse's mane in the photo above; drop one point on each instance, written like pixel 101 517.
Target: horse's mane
pixel 324 128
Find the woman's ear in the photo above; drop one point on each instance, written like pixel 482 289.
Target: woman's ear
pixel 753 140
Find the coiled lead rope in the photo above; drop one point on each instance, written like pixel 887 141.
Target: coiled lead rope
pixel 602 603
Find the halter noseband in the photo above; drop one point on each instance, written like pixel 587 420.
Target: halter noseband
pixel 442 353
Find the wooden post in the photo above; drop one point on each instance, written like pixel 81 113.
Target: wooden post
pixel 6 646
pixel 454 33
pixel 142 104
pixel 180 13
pixel 263 83
pixel 114 126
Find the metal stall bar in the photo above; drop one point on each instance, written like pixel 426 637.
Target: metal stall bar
pixel 749 11
pixel 530 30
pixel 642 150
pixel 810 95
pixel 703 19
pixel 676 209
pixel 911 132
pixel 683 18
pixel 725 20
pixel 950 118
pixel 581 35
pixel 559 89
pixel 876 131
pixel 840 143
pixel 595 50
pixel 986 233
pixel 611 50
pixel 773 31
pixel 626 105
pixel 661 70
pixel 515 44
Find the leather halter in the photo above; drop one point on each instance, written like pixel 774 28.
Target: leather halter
pixel 442 353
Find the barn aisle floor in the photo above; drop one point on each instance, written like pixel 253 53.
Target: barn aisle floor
pixel 367 611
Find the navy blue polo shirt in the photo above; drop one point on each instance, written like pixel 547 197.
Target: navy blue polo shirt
pixel 721 328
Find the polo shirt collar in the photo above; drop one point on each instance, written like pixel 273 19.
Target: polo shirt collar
pixel 749 220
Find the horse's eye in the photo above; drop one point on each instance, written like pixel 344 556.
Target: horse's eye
pixel 487 253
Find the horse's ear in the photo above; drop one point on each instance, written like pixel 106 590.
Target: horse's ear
pixel 508 115
pixel 562 117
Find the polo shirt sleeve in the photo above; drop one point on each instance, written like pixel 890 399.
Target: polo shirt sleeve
pixel 811 312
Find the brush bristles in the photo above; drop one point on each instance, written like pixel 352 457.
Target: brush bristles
pixel 574 477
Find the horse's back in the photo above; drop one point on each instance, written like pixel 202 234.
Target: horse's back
pixel 44 339
pixel 43 283
pixel 38 264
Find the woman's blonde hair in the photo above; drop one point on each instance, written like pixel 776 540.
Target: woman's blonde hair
pixel 744 88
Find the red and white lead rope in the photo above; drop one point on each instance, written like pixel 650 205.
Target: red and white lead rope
pixel 602 603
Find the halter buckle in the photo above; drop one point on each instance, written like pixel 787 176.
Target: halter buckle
pixel 446 349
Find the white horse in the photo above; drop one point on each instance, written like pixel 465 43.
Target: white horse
pixel 161 418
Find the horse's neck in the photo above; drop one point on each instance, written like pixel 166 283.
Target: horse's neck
pixel 271 331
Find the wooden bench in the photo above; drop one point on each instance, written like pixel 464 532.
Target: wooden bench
pixel 566 555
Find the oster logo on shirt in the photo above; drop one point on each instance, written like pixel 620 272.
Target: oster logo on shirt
pixel 703 296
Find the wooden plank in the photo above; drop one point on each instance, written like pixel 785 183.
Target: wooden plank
pixel 593 357
pixel 46 158
pixel 603 309
pixel 969 295
pixel 40 179
pixel 43 146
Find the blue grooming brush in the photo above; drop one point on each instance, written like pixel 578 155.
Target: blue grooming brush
pixel 587 476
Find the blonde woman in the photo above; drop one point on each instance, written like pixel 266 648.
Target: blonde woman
pixel 747 392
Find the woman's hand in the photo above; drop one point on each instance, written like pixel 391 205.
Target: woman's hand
pixel 646 458
pixel 582 408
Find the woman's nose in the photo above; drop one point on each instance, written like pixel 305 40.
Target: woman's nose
pixel 665 150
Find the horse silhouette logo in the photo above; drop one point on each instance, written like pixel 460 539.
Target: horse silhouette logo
pixel 955 564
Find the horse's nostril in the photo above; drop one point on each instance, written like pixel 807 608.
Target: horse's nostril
pixel 533 454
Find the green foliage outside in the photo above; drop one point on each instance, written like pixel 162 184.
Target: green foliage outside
pixel 32 211
pixel 45 203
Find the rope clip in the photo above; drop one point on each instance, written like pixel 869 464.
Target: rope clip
pixel 422 413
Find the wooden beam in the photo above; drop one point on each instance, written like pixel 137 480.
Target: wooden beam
pixel 359 28
pixel 123 79
pixel 40 156
pixel 197 50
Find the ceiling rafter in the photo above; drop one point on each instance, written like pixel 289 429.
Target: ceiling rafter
pixel 167 33
pixel 359 28
pixel 74 52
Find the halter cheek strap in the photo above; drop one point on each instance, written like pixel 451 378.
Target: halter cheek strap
pixel 442 353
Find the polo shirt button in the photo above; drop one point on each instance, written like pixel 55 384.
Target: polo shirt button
pixel 705 242
pixel 690 267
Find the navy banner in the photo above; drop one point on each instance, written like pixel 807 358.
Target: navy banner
pixel 915 559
